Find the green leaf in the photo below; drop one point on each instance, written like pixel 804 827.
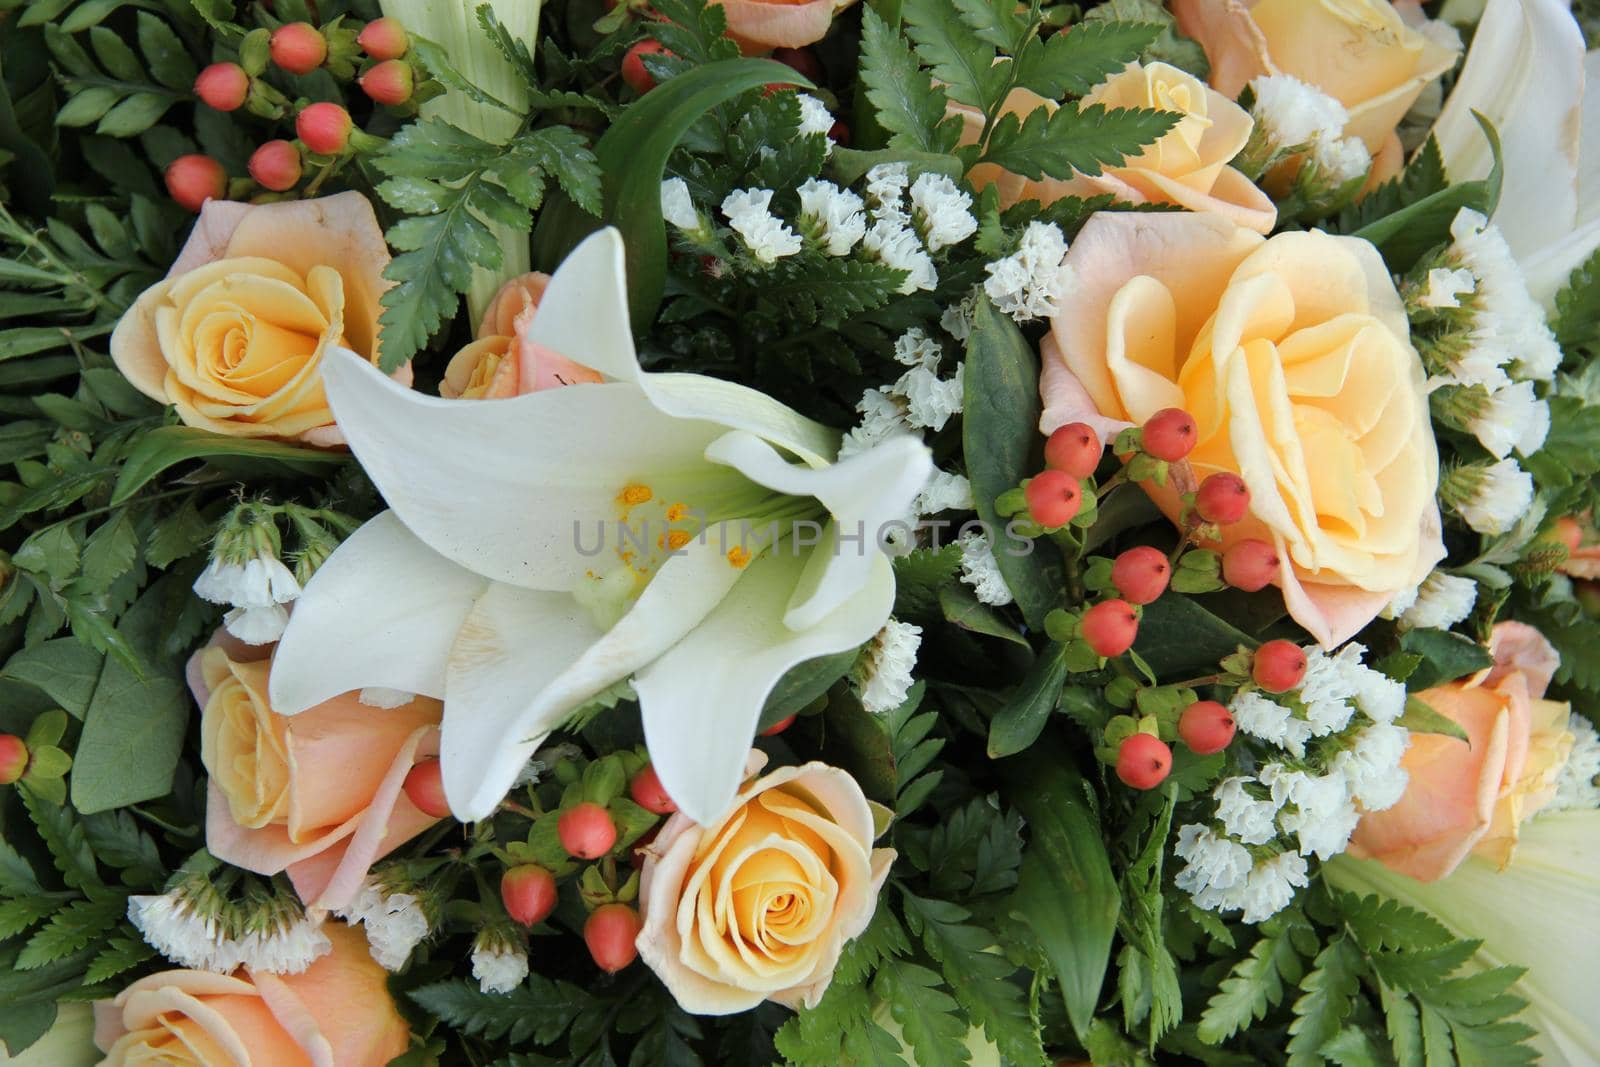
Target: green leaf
pixel 808 289
pixel 170 445
pixel 1577 319
pixel 1066 892
pixel 633 156
pixel 926 1014
pixel 1074 61
pixel 1381 923
pixel 920 576
pixel 1170 46
pixel 1179 637
pixel 1001 442
pixel 965 69
pixel 1252 985
pixel 907 103
pixel 1422 719
pixel 1021 718
pixel 72 929
pixel 22 913
pixel 63 835
pixel 169 60
pixel 1571 449
pixel 804 683
pixel 1329 995
pixel 539 1009
pixel 1445 656
pixel 120 955
pixel 966 611
pixel 840 1029
pixel 63 668
pixel 1058 144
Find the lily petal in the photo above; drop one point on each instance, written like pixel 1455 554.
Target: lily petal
pixel 382 611
pixel 863 493
pixel 702 699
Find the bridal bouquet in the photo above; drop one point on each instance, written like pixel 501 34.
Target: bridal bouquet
pixel 809 532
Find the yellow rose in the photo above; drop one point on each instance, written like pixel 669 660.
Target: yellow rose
pixel 1360 52
pixel 758 905
pixel 1294 356
pixel 1187 166
pixel 234 336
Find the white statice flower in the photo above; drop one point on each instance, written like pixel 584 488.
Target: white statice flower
pixel 1268 720
pixel 1242 815
pixel 288 948
pixel 882 416
pixel 885 669
pixel 1442 601
pixel 677 207
pixel 498 965
pixel 395 923
pixel 376 696
pixel 944 491
pixel 1380 697
pixel 1341 159
pixel 1501 493
pixel 1504 302
pixel 1029 283
pixel 834 216
pixel 256 589
pixel 172 925
pixel 956 319
pixel 543 762
pixel 930 399
pixel 980 571
pixel 1217 867
pixel 1513 418
pixel 1575 784
pixel 1291 113
pixel 942 211
pixel 1371 766
pixel 915 348
pixel 1319 813
pixel 1271 886
pixel 886 188
pixel 1446 287
pixel 768 237
pixel 815 118
pixel 1326 690
pixel 894 244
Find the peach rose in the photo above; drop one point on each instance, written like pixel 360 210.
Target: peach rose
pixel 1294 356
pixel 233 337
pixel 317 794
pixel 759 25
pixel 501 362
pixel 758 905
pixel 1188 166
pixel 1360 52
pixel 1470 797
pixel 338 1013
pixel 1583 548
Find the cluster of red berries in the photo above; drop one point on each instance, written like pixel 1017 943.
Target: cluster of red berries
pixel 321 128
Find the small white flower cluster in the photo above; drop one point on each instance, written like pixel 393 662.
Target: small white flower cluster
pixel 941 212
pixel 1269 822
pixel 815 118
pixel 884 670
pixel 891 240
pixel 980 571
pixel 395 923
pixel 1576 789
pixel 1441 601
pixel 1029 283
pixel 498 964
pixel 1490 497
pixel 199 938
pixel 1294 117
pixel 767 237
pixel 836 217
pixel 255 589
pixel 677 207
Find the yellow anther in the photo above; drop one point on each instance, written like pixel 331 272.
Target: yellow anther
pixel 739 556
pixel 673 540
pixel 634 494
pixel 677 512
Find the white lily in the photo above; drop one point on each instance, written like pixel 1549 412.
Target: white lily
pixel 1537 913
pixel 487 586
pixel 1527 73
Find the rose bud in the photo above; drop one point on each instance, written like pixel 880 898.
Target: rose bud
pixel 194 179
pixel 1143 761
pixel 529 893
pixel 276 165
pixel 324 128
pixel 1110 627
pixel 647 792
pixel 223 86
pixel 390 82
pixel 1279 666
pixel 383 39
pixel 424 786
pixel 1170 434
pixel 610 934
pixel 586 831
pixel 298 48
pixel 13 758
pixel 633 69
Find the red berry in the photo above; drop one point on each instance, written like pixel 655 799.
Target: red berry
pixel 324 128
pixel 1143 761
pixel 276 165
pixel 192 180
pixel 390 82
pixel 529 893
pixel 1250 564
pixel 298 48
pixel 1222 498
pixel 13 758
pixel 1279 666
pixel 586 831
pixel 800 59
pixel 778 727
pixel 610 934
pixel 223 86
pixel 1110 627
pixel 1074 448
pixel 633 69
pixel 1053 498
pixel 1141 574
pixel 647 792
pixel 383 38
pixel 1170 434
pixel 1206 727
pixel 425 787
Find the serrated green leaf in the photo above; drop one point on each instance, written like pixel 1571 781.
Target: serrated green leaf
pixel 539 1009
pixel 72 929
pixel 1074 61
pixel 63 835
pixel 1072 140
pixel 121 954
pixel 1254 984
pixel 21 913
pixel 964 67
pixel 1328 990
pixel 908 104
pixel 926 1014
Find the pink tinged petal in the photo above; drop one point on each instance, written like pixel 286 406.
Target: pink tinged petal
pixel 539 368
pixel 339 1009
pixel 701 701
pixel 1065 399
pixel 759 25
pixel 1519 648
pixel 382 611
pixel 1234 45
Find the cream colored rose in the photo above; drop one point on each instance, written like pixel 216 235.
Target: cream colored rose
pixel 338 1013
pixel 1360 52
pixel 1187 166
pixel 1293 355
pixel 758 905
pixel 234 336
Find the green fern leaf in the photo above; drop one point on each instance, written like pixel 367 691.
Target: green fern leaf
pixel 1328 996
pixel 539 1009
pixel 1056 144
pixel 72 928
pixel 908 103
pixel 1253 985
